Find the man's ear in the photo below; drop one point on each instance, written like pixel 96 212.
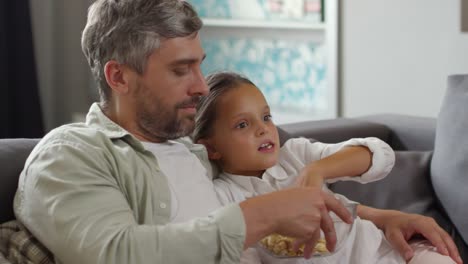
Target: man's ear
pixel 117 76
pixel 212 153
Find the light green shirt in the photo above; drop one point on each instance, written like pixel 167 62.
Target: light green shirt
pixel 91 193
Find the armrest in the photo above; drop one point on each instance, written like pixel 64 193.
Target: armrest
pixel 13 154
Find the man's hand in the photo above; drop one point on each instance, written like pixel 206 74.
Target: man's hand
pixel 399 227
pixel 295 212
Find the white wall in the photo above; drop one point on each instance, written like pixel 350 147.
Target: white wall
pixel 397 54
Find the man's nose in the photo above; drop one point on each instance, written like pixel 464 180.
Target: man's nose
pixel 199 86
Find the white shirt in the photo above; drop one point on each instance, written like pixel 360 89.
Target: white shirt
pixel 360 243
pixel 192 192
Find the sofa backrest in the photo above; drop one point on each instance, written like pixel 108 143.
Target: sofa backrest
pixel 13 154
pixel 337 130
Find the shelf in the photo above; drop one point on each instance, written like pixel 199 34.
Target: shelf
pixel 250 23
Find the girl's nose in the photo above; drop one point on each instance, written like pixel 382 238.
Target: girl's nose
pixel 262 129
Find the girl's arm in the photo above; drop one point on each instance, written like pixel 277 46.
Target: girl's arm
pixel 358 159
pixel 350 161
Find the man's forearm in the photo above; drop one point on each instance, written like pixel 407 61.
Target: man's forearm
pixel 258 220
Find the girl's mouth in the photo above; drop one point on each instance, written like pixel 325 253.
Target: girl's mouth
pixel 266 147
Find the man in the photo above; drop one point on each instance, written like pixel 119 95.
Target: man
pixel 120 189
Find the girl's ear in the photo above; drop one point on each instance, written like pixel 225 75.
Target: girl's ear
pixel 212 153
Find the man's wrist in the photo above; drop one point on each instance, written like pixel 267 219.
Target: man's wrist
pixel 260 218
pixel 377 216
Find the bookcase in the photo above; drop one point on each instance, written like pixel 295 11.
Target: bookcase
pixel 293 60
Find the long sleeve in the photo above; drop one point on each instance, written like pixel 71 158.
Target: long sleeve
pixel 91 206
pixel 300 151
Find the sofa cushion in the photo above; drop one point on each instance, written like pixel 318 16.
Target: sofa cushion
pixel 449 167
pixel 283 135
pixel 407 188
pixel 13 154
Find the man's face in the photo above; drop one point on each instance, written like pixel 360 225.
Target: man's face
pixel 166 94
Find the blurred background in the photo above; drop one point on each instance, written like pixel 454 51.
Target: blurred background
pixel 313 59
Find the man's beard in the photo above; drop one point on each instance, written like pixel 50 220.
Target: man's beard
pixel 161 122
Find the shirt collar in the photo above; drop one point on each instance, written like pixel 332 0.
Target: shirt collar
pixel 249 184
pixel 99 121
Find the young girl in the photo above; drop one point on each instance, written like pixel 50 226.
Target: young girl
pixel 235 125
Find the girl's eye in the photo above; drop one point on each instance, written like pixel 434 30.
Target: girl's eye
pixel 267 117
pixel 242 125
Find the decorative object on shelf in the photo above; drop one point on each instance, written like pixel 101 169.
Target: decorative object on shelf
pixel 313 10
pixel 270 10
pixel 247 9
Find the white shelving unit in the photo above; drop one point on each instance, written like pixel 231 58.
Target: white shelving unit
pixel 251 23
pixel 326 32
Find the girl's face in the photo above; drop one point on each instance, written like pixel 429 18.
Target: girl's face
pixel 244 139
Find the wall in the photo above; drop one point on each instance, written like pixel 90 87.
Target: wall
pixel 397 54
pixel 64 77
pixel 41 19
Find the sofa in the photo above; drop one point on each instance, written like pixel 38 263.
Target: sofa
pixel 424 150
pixel 408 187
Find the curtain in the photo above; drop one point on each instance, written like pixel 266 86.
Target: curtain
pixel 20 110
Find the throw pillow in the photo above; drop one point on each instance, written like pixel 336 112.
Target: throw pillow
pixel 449 167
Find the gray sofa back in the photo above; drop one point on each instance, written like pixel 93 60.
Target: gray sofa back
pixel 13 154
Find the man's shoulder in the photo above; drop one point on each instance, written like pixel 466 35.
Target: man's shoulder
pixel 76 134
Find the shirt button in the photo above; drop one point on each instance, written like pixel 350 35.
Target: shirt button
pixel 162 205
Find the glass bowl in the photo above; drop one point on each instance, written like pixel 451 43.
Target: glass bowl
pixel 342 230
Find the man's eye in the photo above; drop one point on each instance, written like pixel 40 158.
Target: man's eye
pixel 242 125
pixel 181 71
pixel 267 117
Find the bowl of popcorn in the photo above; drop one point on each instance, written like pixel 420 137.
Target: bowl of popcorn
pixel 282 247
pixel 279 246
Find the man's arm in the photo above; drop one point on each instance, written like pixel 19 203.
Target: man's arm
pixel 399 227
pixel 82 215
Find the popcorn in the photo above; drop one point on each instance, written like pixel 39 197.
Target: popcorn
pixel 282 246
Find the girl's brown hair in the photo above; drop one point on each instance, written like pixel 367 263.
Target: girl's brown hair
pixel 218 83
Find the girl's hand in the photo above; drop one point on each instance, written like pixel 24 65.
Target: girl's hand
pixel 310 177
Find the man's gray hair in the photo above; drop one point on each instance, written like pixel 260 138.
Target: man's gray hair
pixel 128 31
